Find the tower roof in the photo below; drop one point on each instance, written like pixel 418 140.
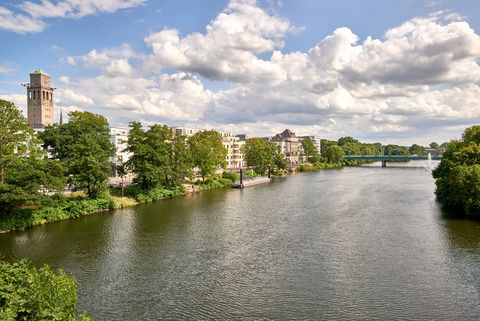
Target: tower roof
pixel 40 71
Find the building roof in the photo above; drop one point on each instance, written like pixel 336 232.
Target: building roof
pixel 40 71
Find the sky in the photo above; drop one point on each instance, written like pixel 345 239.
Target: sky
pixel 390 71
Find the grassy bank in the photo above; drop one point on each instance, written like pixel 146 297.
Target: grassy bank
pixel 58 208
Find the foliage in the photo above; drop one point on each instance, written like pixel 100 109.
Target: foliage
pixel 84 145
pixel 214 182
pixel 59 209
pixel 347 140
pixel 208 152
pixel 17 139
pixel 158 158
pixel 30 293
pixel 310 150
pixel 158 193
pixel 232 176
pixel 262 155
pixel 333 154
pixel 458 175
pixel 396 150
pixel 418 150
pixel 434 145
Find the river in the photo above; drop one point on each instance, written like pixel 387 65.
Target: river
pixel 348 244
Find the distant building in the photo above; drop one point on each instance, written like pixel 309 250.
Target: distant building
pixel 185 131
pixel 234 146
pixel 119 139
pixel 40 105
pixel 291 146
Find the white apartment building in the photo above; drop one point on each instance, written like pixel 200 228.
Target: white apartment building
pixel 119 138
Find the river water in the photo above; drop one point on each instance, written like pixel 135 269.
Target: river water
pixel 348 244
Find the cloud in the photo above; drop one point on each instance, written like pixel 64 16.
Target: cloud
pixel 75 8
pixel 422 78
pixel 4 69
pixel 34 13
pixel 229 48
pixel 18 22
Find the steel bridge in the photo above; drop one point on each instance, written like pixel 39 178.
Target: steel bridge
pixel 390 158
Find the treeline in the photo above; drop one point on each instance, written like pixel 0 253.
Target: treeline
pixel 458 175
pixel 34 170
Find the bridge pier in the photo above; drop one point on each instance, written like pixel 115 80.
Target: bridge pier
pixel 384 163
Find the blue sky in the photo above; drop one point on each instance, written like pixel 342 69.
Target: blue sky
pixel 237 76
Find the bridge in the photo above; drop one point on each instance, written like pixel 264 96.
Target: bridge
pixel 391 158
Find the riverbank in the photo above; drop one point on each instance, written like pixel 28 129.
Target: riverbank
pixel 61 208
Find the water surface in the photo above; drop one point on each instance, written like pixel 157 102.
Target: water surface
pixel 355 243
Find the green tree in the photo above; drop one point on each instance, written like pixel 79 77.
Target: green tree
pixel 30 293
pixel 208 152
pixel 310 150
pixel 17 139
pixel 158 158
pixel 458 175
pixel 434 145
pixel 333 154
pixel 347 140
pixel 83 145
pixel 417 150
pixel 261 155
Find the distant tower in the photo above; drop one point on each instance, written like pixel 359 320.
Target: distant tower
pixel 40 100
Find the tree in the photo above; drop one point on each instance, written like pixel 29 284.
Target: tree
pixel 17 139
pixel 208 152
pixel 30 293
pixel 154 158
pixel 310 150
pixel 259 154
pixel 83 145
pixel 417 150
pixel 458 176
pixel 345 140
pixel 333 154
pixel 434 145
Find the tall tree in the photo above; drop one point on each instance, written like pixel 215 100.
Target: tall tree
pixel 333 154
pixel 263 155
pixel 417 150
pixel 208 152
pixel 434 145
pixel 159 158
pixel 310 150
pixel 83 145
pixel 17 139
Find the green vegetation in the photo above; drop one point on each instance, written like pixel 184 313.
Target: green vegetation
pixel 159 160
pixel 458 175
pixel 30 293
pixel 84 148
pixel 263 155
pixel 50 209
pixel 207 152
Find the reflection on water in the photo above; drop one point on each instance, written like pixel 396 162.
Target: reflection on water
pixel 356 243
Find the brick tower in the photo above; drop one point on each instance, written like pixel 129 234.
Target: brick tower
pixel 40 100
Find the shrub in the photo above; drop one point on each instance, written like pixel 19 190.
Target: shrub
pixel 28 293
pixel 232 176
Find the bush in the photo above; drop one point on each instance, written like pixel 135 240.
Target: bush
pixel 232 176
pixel 215 182
pixel 58 209
pixel 158 194
pixel 28 293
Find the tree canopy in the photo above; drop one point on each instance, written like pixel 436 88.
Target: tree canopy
pixel 208 152
pixel 159 159
pixel 30 293
pixel 83 145
pixel 458 175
